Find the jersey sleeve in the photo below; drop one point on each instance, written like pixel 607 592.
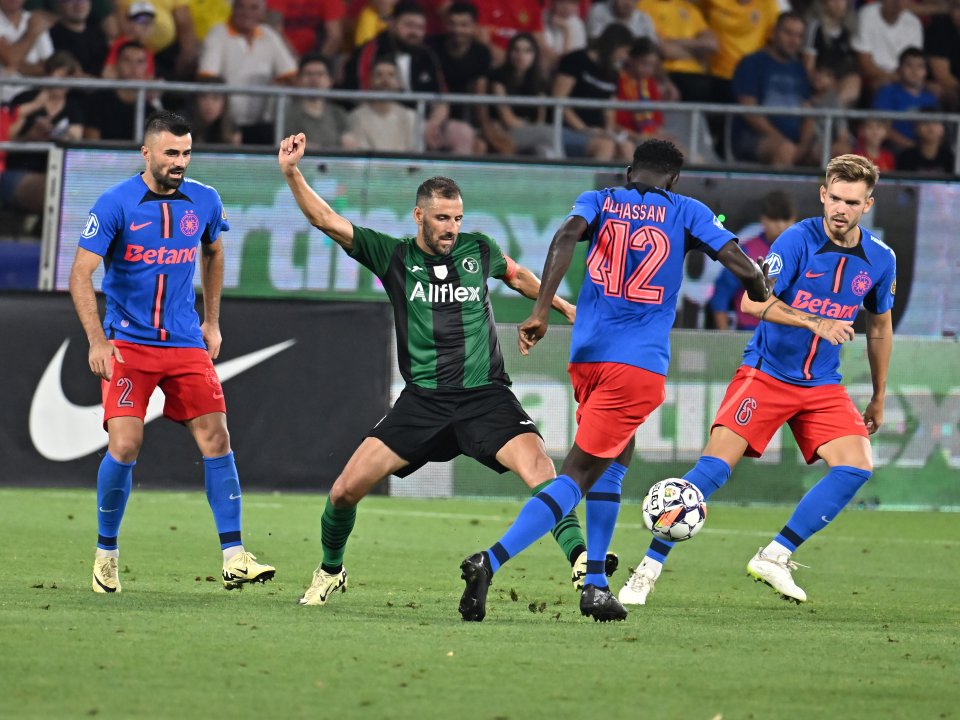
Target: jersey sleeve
pixel 880 297
pixel 217 222
pixel 499 264
pixel 586 206
pixel 373 249
pixel 704 230
pixel 104 223
pixel 785 259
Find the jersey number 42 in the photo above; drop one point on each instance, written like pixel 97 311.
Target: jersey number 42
pixel 607 262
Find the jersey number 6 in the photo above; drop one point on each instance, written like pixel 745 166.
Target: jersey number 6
pixel 607 262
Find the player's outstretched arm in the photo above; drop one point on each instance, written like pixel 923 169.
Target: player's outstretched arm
pixel 555 267
pixel 85 301
pixel 528 285
pixel 879 348
pixel 836 332
pixel 314 207
pixel 751 275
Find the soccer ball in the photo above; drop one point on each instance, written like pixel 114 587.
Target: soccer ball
pixel 674 510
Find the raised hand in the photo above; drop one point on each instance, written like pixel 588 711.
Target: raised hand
pixel 291 150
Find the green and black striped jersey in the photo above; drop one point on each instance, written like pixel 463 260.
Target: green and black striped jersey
pixel 446 337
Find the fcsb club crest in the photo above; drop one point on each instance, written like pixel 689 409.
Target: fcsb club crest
pixel 861 284
pixel 189 224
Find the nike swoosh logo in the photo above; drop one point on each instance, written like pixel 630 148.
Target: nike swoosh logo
pixel 114 510
pixel 235 497
pixel 825 518
pixel 141 226
pixel 62 431
pixel 814 275
pixel 526 422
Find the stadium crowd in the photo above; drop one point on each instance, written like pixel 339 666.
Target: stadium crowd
pixel 892 55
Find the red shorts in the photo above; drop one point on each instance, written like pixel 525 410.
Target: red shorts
pixel 757 405
pixel 186 376
pixel 613 401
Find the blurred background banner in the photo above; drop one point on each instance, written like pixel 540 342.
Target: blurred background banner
pixel 916 453
pixel 273 252
pixel 304 381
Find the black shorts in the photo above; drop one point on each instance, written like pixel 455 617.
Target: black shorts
pixel 438 425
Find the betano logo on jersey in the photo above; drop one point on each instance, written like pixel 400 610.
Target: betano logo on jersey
pixel 444 293
pixel 160 256
pixel 822 306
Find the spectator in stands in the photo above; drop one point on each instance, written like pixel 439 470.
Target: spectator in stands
pixel 111 114
pixel 777 213
pixel 373 19
pixel 871 136
pixel 774 76
pixel 742 27
pixel 884 30
pixel 24 43
pixel 931 155
pixel 516 129
pixel 592 74
pixel 638 83
pixel 74 33
pixel 209 116
pixel 40 115
pixel 420 71
pixel 686 43
pixel 941 43
pixel 136 26
pixel 207 14
pixel 824 86
pixel 624 12
pixel 323 121
pixel 906 94
pixel 829 43
pixel 500 20
pixel 563 30
pixel 172 38
pixel 247 51
pixel 102 13
pixel 384 125
pixel 465 60
pixel 309 26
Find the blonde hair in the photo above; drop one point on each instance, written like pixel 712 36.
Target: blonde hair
pixel 851 169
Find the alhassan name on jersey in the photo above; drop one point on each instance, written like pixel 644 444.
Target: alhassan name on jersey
pixel 444 293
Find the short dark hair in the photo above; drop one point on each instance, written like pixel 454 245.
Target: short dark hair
pixel 315 58
pixel 462 7
pixel 910 52
pixel 408 7
pixel 660 156
pixel 644 46
pixel 166 121
pixel 778 205
pixel 131 44
pixel 438 186
pixel 789 15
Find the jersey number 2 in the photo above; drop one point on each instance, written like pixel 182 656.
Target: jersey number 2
pixel 607 262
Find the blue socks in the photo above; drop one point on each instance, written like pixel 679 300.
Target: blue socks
pixel 709 475
pixel 537 517
pixel 114 480
pixel 603 507
pixel 223 494
pixel 822 503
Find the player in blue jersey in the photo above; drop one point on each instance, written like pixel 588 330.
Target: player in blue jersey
pixel 619 352
pixel 822 269
pixel 146 231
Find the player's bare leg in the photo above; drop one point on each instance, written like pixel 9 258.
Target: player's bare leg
pixel 369 465
pixel 223 493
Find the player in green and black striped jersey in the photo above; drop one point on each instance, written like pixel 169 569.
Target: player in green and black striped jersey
pixel 457 398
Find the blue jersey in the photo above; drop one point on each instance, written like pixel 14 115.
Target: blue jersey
pixel 627 305
pixel 816 275
pixel 149 246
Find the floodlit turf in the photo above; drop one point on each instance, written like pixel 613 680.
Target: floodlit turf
pixel 879 638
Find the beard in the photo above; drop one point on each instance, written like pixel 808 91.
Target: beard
pixel 432 240
pixel 166 181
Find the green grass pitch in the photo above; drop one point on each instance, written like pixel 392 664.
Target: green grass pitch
pixel 879 638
